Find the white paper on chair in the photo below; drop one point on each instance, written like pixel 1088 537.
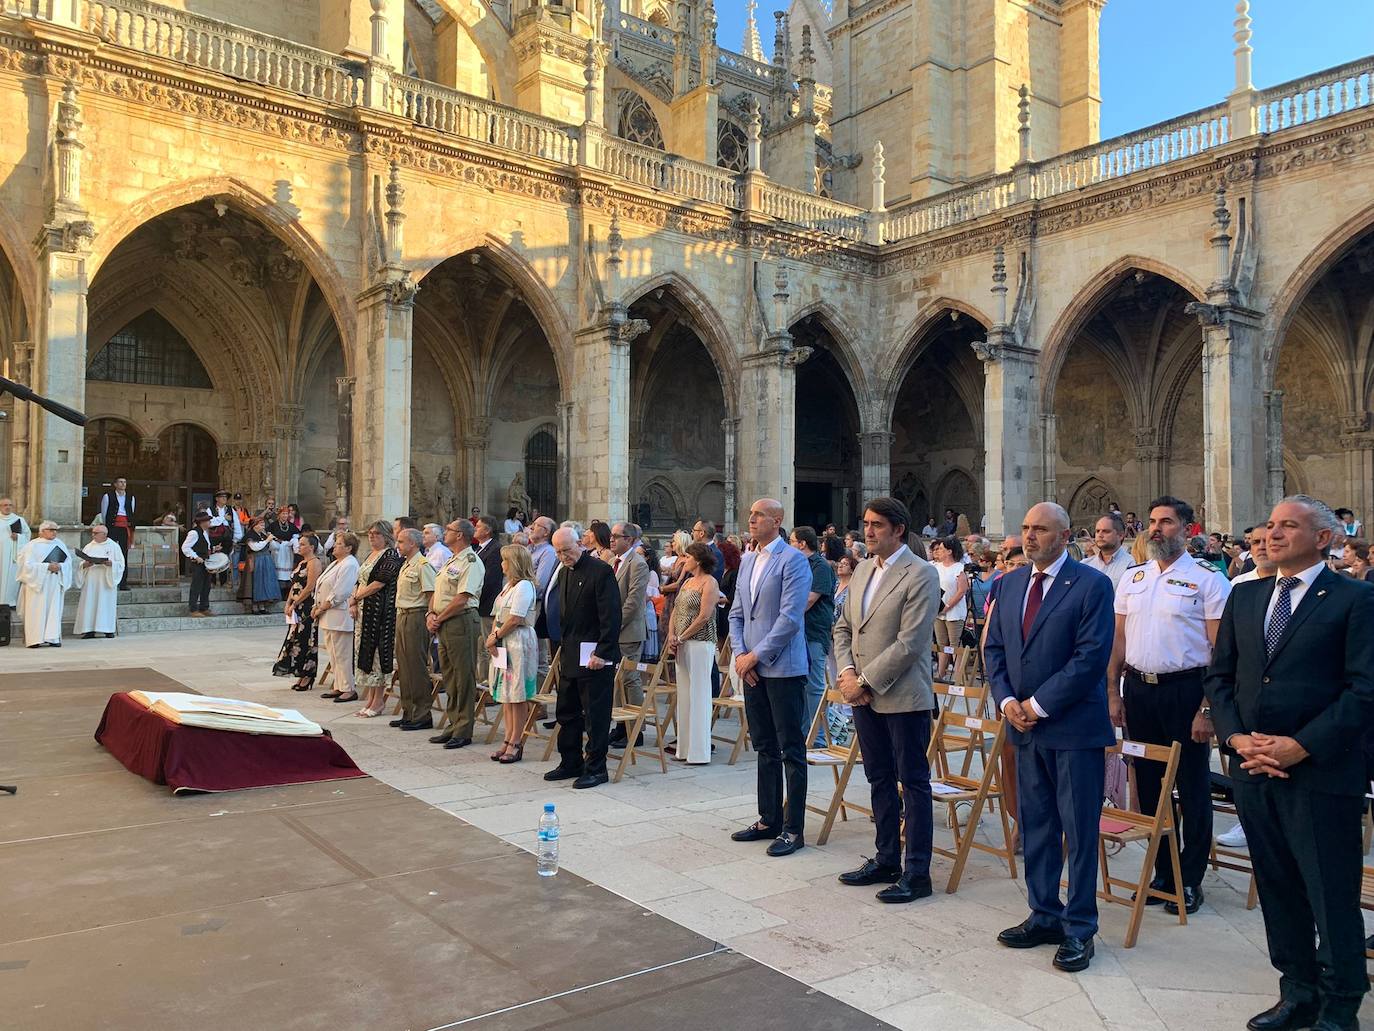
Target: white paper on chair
pixel 821 758
pixel 585 653
pixel 938 788
pixel 498 661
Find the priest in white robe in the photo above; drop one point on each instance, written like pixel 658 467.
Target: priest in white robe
pixel 99 583
pixel 43 584
pixel 14 534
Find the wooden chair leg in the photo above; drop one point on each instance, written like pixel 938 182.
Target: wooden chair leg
pixel 495 723
pixel 1178 879
pixel 965 845
pixel 1252 896
pixel 1142 892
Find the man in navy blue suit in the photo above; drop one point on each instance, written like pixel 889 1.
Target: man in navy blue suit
pixel 1048 643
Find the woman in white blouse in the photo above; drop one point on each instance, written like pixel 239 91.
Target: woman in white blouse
pixel 332 617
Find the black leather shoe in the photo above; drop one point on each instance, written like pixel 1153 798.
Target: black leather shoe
pixel 785 844
pixel 562 773
pixel 754 832
pixel 908 889
pixel 457 742
pixel 422 724
pixel 1027 935
pixel 590 780
pixel 88 636
pixel 1192 902
pixel 440 739
pixel 1074 954
pixel 396 723
pixel 1150 900
pixel 872 872
pixel 1286 1016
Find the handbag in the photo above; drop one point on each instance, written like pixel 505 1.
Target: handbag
pixel 968 634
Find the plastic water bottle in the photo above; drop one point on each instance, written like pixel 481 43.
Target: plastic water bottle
pixel 548 841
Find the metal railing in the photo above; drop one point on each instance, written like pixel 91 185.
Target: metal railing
pixel 243 54
pixel 450 111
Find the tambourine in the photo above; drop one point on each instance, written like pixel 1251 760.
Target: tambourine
pixel 217 562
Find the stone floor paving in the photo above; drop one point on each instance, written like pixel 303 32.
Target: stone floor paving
pixel 662 841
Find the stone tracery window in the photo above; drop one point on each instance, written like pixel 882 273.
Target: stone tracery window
pixel 149 351
pixel 732 146
pixel 637 122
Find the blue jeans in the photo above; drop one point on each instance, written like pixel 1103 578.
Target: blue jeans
pixel 815 689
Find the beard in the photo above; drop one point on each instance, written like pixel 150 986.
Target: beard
pixel 1166 549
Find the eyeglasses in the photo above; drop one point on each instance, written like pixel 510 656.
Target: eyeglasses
pixel 620 537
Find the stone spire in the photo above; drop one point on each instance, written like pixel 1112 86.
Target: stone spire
pixel 753 46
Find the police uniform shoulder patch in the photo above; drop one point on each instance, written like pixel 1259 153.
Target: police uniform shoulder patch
pixel 1140 575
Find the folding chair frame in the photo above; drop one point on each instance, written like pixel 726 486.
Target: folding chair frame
pixel 839 758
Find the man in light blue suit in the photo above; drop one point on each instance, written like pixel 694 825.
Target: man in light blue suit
pixel 768 640
pixel 1049 639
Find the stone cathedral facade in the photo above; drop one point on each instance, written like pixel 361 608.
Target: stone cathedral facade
pixel 379 256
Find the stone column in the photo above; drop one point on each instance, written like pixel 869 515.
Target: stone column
pixel 343 461
pixel 287 432
pixel 875 450
pixel 1049 457
pixel 476 437
pixel 1008 414
pixel 20 432
pixel 1152 457
pixel 731 428
pixel 381 430
pixel 565 421
pixel 1358 443
pixel 600 462
pixel 767 426
pixel 1273 448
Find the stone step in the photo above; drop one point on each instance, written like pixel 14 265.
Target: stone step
pixel 164 595
pixel 162 624
pixel 176 607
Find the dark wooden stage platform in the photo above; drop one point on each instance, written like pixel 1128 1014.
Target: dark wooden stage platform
pixel 344 904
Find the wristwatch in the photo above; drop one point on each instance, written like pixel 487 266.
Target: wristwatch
pixel 1206 711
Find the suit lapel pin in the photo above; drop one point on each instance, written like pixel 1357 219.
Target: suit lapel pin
pixel 1321 592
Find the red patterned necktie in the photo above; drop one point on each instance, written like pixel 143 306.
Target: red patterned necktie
pixel 1033 599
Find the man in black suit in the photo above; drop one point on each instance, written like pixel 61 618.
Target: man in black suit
pixel 589 615
pixel 488 549
pixel 1292 691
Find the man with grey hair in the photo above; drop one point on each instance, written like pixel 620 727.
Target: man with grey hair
pixel 454 621
pixel 436 552
pixel 632 579
pixel 545 562
pixel 1292 690
pixel 1167 614
pixel 573 525
pixel 45 571
pixel 414 586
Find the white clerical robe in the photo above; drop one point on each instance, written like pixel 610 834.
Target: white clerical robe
pixel 99 584
pixel 12 526
pixel 40 601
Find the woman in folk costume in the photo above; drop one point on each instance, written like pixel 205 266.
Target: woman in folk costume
pixel 99 583
pixel 45 571
pixel 263 569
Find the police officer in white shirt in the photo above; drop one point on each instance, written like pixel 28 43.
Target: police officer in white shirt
pixel 1110 558
pixel 1167 614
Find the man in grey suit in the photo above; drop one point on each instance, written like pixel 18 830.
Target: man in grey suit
pixel 632 577
pixel 882 647
pixel 768 639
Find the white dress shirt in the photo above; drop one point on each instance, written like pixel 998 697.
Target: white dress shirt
pixel 1295 595
pixel 437 554
pixel 1121 561
pixel 1051 571
pixel 1167 612
pixel 876 577
pixel 761 558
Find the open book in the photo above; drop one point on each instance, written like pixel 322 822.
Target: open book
pixel 193 710
pixel 95 560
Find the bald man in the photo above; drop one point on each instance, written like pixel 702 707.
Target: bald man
pixel 1049 639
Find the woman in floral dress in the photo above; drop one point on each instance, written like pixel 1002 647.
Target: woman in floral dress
pixel 298 653
pixel 512 628
pixel 373 608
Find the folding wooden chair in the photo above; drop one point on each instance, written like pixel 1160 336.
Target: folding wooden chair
pixel 951 788
pixel 436 688
pixel 548 695
pixel 1367 903
pixel 166 569
pixel 839 758
pixel 1157 829
pixel 955 737
pixel 722 707
pixel 635 718
pixel 1226 858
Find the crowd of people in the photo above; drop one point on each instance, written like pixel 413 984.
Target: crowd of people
pixel 1151 628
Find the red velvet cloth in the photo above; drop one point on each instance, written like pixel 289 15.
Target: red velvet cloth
pixel 196 759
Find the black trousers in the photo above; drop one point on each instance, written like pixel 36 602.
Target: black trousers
pixel 200 587
pixel 893 745
pixel 584 707
pixel 1308 852
pixel 1160 714
pixel 120 535
pixel 774 707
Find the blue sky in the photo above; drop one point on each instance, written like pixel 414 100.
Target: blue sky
pixel 1162 58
